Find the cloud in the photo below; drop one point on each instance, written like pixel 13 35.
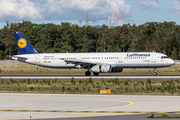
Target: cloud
pixel 176 7
pixel 151 5
pixel 61 9
pixel 18 9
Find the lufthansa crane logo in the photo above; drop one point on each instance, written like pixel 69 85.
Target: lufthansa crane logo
pixel 22 43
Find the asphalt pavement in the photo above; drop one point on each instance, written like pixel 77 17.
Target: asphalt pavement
pixel 94 77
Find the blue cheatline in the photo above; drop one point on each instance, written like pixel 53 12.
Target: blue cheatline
pixel 24 47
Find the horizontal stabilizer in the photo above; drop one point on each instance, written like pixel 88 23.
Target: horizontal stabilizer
pixel 20 57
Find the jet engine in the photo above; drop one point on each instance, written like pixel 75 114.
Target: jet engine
pixel 105 69
pixel 101 68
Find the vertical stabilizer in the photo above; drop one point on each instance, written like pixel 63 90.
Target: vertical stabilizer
pixel 24 47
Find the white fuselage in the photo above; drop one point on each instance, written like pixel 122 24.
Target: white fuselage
pixel 123 60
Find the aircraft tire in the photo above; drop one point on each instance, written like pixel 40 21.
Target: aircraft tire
pixel 155 73
pixel 96 74
pixel 87 73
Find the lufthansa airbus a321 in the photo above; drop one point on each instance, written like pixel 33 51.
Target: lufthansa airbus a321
pixel 94 62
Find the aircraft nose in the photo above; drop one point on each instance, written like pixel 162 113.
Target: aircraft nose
pixel 172 62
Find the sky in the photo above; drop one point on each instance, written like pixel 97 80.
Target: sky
pixel 57 11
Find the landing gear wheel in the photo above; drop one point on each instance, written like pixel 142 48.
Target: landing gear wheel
pixel 155 73
pixel 87 73
pixel 96 74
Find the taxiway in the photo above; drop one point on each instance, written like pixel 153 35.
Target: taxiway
pixel 70 105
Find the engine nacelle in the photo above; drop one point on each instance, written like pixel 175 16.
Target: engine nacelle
pixel 117 69
pixel 105 69
pixel 101 68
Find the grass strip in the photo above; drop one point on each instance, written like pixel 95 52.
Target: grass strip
pixel 163 116
pixel 91 86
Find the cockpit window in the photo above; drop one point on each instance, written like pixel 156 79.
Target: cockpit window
pixel 164 57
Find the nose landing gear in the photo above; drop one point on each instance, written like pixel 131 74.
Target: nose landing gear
pixel 155 73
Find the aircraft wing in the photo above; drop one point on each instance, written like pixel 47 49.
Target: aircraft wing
pixel 78 61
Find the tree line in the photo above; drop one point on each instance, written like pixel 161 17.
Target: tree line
pixel 160 37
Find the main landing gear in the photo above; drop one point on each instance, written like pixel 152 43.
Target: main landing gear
pixel 155 73
pixel 87 73
pixel 96 74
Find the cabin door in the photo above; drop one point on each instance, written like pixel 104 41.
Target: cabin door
pixel 79 57
pixel 120 59
pixel 153 58
pixel 37 61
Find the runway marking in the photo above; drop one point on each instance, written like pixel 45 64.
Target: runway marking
pixel 140 112
pixel 130 103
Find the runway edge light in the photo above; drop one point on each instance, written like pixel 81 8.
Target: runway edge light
pixel 105 91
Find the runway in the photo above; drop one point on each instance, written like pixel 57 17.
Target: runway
pixel 115 117
pixel 93 77
pixel 84 105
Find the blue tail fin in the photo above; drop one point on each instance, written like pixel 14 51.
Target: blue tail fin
pixel 24 47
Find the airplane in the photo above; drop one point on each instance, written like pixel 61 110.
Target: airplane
pixel 94 62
